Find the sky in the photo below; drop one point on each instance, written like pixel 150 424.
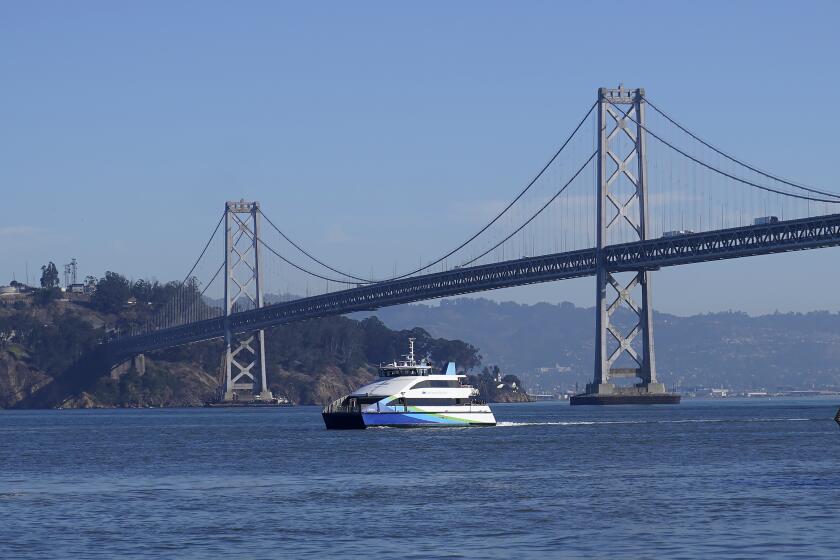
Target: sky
pixel 124 127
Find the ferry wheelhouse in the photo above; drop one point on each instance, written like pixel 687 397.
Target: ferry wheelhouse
pixel 409 393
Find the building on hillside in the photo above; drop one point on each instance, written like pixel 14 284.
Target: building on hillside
pixel 20 286
pixel 11 293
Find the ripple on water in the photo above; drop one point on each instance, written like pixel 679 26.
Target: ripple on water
pixel 720 480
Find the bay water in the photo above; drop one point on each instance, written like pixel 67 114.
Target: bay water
pixel 706 479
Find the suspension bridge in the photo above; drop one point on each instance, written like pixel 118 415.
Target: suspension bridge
pixel 629 191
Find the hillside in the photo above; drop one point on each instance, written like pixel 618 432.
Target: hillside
pixel 48 358
pixel 551 346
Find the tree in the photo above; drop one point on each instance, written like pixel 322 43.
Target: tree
pixel 513 381
pixel 143 290
pixel 90 284
pixel 56 346
pixel 49 276
pixel 112 292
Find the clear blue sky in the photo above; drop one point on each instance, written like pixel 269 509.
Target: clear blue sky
pixel 125 126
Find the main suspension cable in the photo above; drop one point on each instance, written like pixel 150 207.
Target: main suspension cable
pixel 218 270
pixel 467 263
pixel 210 283
pixel 533 217
pixel 307 271
pixel 716 170
pixel 209 241
pixel 738 161
pixel 462 245
pixel 302 250
pixel 508 207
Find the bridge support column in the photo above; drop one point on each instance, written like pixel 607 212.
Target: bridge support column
pixel 623 341
pixel 135 363
pixel 139 363
pixel 244 360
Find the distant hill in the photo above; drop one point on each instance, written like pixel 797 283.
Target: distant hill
pixel 731 349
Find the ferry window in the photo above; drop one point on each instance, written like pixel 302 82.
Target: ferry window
pixel 438 383
pixel 428 402
pixel 431 402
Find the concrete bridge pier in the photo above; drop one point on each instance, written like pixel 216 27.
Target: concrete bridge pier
pixel 136 363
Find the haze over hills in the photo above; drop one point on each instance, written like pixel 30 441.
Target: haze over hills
pixel 552 345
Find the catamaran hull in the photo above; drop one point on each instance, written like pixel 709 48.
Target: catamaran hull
pixel 343 420
pixel 361 420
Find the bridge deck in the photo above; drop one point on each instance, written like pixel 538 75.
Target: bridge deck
pixel 783 236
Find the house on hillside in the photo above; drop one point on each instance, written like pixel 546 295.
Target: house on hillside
pixel 76 288
pixel 12 293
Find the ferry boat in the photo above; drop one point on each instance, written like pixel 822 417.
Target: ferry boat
pixel 409 394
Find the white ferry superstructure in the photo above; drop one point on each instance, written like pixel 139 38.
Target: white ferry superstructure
pixel 409 394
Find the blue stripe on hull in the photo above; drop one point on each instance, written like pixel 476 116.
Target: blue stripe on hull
pixel 408 419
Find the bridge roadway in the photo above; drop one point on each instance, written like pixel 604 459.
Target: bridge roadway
pixel 780 237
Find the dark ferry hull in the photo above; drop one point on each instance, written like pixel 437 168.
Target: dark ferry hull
pixel 245 404
pixel 343 420
pixel 593 399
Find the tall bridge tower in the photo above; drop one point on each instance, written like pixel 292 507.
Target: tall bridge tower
pixel 622 216
pixel 244 354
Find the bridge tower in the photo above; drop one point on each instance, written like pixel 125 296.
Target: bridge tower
pixel 244 353
pixel 622 209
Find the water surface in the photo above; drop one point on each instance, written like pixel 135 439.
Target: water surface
pixel 705 479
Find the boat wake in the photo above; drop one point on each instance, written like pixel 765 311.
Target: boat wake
pixel 682 421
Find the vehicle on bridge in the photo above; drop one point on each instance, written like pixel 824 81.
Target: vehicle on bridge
pixel 766 220
pixel 677 233
pixel 409 394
